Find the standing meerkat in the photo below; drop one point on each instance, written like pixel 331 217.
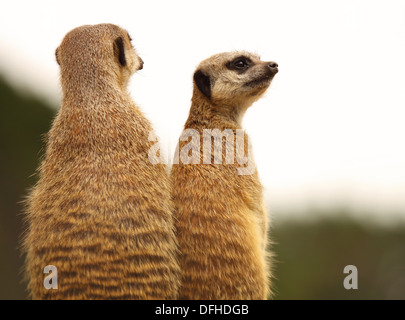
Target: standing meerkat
pixel 101 212
pixel 220 217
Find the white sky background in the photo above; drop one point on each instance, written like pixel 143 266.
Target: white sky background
pixel 331 129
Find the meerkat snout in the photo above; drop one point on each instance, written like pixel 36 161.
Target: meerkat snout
pixel 140 64
pixel 273 65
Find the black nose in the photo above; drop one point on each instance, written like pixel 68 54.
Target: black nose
pixel 273 65
pixel 141 64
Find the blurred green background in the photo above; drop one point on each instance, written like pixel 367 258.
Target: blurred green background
pixel 310 253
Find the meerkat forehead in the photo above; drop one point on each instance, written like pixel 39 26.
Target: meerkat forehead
pixel 219 60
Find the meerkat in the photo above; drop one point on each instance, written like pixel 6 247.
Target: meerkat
pixel 220 218
pixel 100 212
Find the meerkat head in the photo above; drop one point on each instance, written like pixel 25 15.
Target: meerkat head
pixel 233 79
pixel 91 52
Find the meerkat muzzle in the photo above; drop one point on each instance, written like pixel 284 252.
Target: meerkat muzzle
pixel 268 70
pixel 264 79
pixel 273 66
pixel 140 63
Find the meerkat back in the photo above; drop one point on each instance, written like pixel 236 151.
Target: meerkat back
pixel 101 213
pixel 220 217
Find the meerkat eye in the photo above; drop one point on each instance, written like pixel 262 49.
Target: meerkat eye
pixel 240 63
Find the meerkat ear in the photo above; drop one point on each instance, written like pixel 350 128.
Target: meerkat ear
pixel 119 51
pixel 203 83
pixel 56 55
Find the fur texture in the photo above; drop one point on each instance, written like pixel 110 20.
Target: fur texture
pixel 220 218
pixel 100 212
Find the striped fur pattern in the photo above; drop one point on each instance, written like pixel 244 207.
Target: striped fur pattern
pixel 100 212
pixel 220 218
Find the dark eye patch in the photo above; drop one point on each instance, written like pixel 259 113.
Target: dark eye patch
pixel 239 64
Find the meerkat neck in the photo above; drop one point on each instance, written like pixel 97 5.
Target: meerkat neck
pixel 203 113
pixel 88 90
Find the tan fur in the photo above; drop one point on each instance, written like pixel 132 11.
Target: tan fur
pixel 101 212
pixel 221 222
